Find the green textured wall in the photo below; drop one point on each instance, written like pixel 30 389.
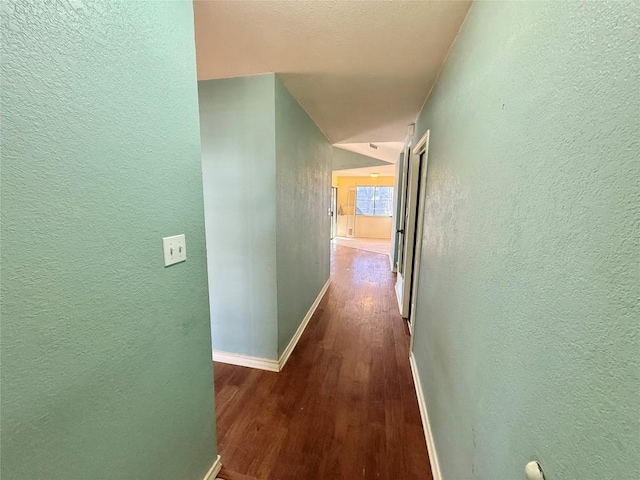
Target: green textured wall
pixel 345 159
pixel 267 180
pixel 106 355
pixel 527 336
pixel 237 121
pixel 303 189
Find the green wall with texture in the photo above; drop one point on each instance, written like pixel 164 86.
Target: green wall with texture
pixel 106 357
pixel 267 178
pixel 345 159
pixel 303 188
pixel 239 174
pixel 527 331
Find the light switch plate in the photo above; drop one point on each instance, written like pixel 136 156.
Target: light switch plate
pixel 175 249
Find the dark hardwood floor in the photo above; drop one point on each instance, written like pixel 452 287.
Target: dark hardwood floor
pixel 344 406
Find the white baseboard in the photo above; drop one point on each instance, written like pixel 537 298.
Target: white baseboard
pixel 398 289
pixel 305 321
pixel 266 363
pixel 246 361
pixel 214 470
pixel 426 425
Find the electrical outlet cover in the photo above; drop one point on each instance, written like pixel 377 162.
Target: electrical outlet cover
pixel 175 249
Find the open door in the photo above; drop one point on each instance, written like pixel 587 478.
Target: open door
pixel 409 258
pixel 402 198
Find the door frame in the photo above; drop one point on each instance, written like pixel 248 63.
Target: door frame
pixel 422 148
pixel 403 188
pixel 413 224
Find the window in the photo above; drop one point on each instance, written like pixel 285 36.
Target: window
pixel 374 201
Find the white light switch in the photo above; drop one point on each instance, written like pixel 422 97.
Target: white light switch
pixel 175 249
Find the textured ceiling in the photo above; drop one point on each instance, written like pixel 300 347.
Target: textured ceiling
pixel 387 151
pixel 361 69
pixel 383 171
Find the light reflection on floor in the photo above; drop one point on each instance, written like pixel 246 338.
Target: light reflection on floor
pixel 375 245
pixel 364 269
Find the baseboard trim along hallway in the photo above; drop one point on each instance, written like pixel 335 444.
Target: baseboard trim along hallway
pixel 305 321
pixel 214 470
pixel 345 406
pixel 266 363
pixel 246 361
pixel 426 425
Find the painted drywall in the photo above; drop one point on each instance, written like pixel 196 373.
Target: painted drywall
pixel 106 359
pixel 303 189
pixel 349 64
pixel 346 160
pixel 365 226
pixel 527 332
pixel 267 177
pixel 237 123
pixel 387 151
pixel 373 227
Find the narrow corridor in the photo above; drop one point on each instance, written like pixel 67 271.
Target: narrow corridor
pixel 344 406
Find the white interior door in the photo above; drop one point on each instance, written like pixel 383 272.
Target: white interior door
pixel 406 279
pixel 402 198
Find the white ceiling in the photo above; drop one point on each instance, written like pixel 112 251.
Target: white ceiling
pixel 361 69
pixel 382 170
pixel 386 151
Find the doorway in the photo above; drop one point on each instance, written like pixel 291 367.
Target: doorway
pixel 403 190
pixel 412 211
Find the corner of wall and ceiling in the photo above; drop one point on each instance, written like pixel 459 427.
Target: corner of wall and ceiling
pixel 444 62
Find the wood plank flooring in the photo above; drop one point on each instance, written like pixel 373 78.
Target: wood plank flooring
pixel 375 245
pixel 344 406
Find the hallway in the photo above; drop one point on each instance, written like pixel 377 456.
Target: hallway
pixel 344 406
